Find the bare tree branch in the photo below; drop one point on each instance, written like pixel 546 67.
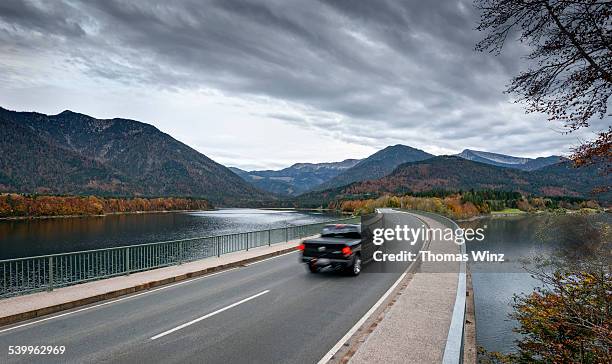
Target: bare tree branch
pixel 570 77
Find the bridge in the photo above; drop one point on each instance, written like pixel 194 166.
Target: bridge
pixel 244 298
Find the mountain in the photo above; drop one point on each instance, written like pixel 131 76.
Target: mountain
pixel 240 172
pixel 377 165
pixel 454 173
pixel 31 164
pixel 298 178
pixel 502 160
pixel 72 153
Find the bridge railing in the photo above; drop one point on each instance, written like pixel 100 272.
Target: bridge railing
pixel 46 272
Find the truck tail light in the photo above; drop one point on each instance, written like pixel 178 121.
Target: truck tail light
pixel 346 251
pixel 301 247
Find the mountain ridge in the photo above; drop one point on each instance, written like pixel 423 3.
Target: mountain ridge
pixel 508 161
pixel 377 165
pixel 133 158
pixel 454 173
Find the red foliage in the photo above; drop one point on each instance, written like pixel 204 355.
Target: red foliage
pixel 16 205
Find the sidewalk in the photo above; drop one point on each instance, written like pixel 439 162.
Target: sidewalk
pixel 415 327
pixel 20 308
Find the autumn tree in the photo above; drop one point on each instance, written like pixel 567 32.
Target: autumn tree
pixel 569 77
pixel 569 319
pixel 13 205
pixel 596 150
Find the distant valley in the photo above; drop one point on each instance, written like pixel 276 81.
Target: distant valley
pixel 305 177
pixel 297 179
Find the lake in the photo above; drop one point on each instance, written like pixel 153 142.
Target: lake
pixel 496 283
pixel 23 238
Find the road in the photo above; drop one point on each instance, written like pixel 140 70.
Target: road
pixel 269 312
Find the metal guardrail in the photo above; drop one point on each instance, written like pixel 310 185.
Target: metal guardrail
pixel 46 272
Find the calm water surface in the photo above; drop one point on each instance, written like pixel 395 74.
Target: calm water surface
pixel 21 238
pixel 496 283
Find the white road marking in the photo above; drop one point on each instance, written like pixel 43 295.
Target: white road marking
pixel 209 315
pixel 274 257
pixel 354 329
pixel 114 301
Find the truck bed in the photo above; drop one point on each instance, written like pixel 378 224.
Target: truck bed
pixel 325 247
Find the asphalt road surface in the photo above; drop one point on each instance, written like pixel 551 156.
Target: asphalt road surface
pixel 273 311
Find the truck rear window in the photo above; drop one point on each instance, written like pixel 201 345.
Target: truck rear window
pixel 342 231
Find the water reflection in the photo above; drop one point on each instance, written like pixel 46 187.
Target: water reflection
pixel 20 238
pixel 518 238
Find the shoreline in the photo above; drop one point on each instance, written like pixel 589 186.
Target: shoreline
pixel 479 217
pixel 48 217
pixel 539 212
pixel 473 218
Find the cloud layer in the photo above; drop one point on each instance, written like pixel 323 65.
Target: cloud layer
pixel 368 73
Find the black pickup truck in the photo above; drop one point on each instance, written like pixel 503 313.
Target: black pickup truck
pixel 339 247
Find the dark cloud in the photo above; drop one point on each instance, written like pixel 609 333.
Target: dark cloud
pixel 401 69
pixel 48 18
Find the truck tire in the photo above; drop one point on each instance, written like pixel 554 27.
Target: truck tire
pixel 355 268
pixel 312 268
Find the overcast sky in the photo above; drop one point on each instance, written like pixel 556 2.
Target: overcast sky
pixel 265 84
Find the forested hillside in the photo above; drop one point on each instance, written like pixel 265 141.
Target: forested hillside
pixel 72 153
pixel 453 173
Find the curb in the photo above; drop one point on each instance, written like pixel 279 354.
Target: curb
pixel 470 353
pixel 8 320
